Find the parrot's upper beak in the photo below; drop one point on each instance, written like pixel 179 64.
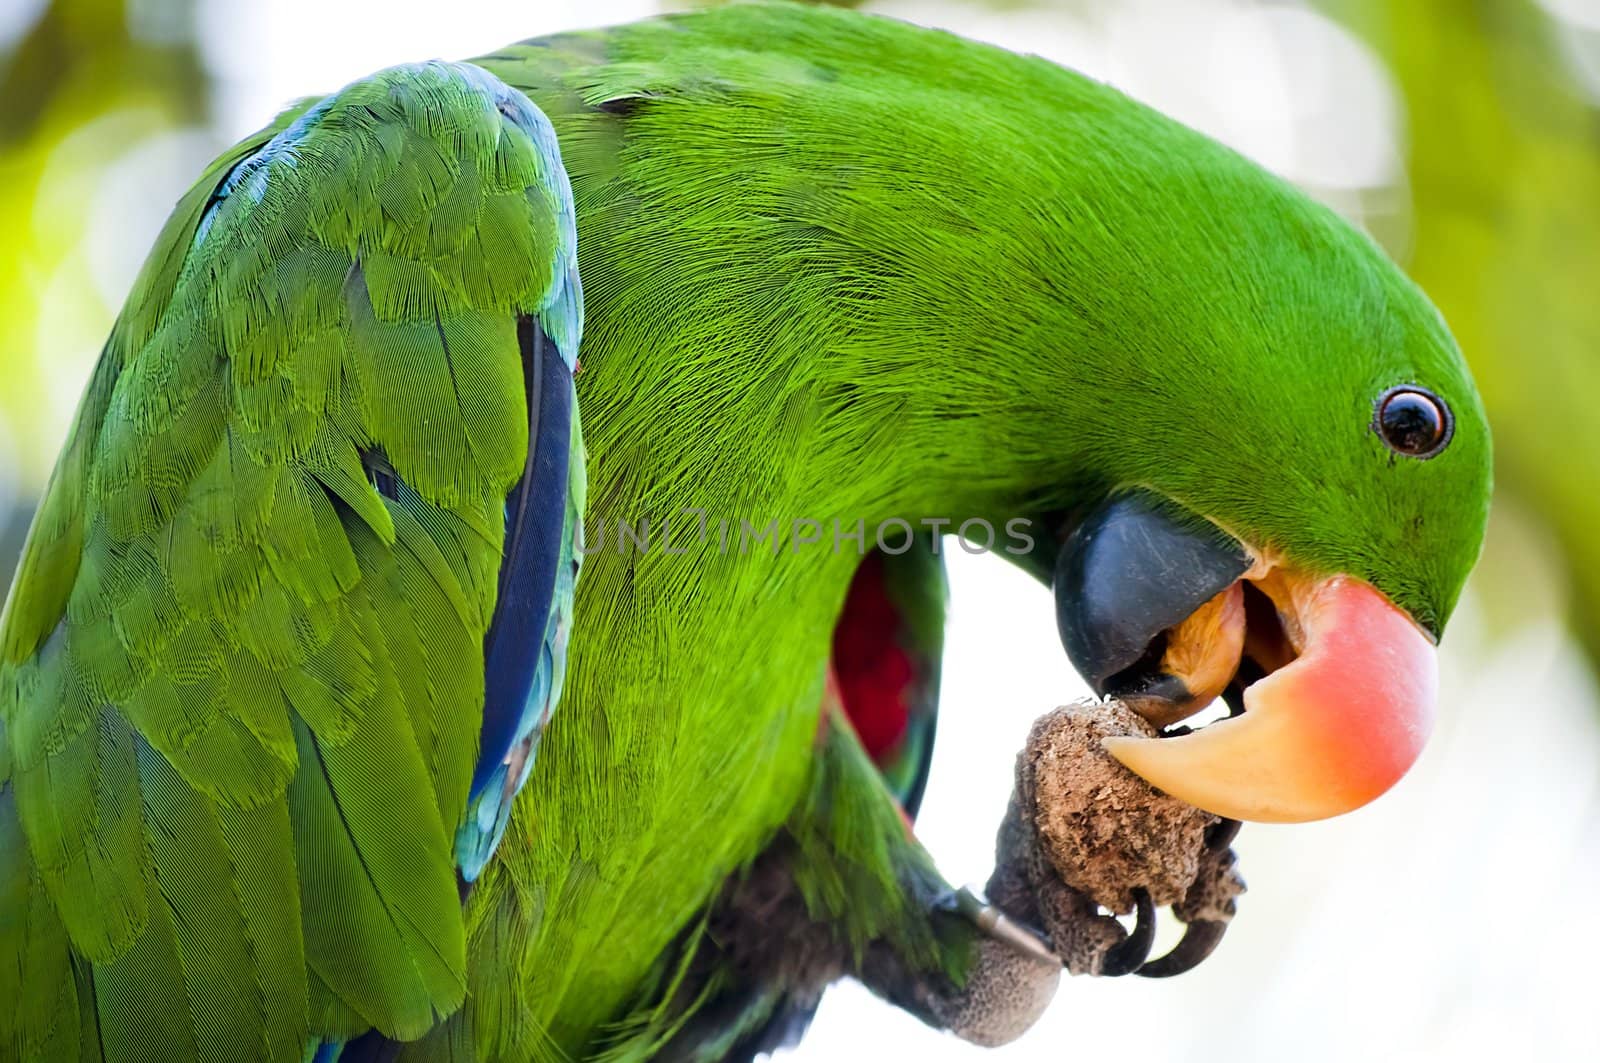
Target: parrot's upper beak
pixel 1165 612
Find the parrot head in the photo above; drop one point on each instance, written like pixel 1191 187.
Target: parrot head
pixel 1320 495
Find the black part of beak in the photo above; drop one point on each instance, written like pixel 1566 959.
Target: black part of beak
pixel 1136 566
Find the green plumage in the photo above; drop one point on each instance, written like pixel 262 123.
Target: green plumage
pixel 836 268
pixel 232 668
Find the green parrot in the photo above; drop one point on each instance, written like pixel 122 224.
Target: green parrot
pixel 295 762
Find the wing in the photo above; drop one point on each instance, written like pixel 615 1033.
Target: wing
pixel 887 649
pixel 293 610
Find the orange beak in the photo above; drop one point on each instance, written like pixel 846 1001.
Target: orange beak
pixel 1337 724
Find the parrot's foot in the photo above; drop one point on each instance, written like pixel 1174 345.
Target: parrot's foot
pixel 1085 840
pixel 1004 993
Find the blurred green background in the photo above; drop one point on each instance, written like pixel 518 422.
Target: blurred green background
pixel 1450 921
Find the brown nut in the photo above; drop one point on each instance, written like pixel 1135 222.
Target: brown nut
pixel 1106 831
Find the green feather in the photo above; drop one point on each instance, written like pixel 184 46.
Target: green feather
pixel 242 688
pixel 81 813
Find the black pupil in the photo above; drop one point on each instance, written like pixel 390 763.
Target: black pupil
pixel 1412 423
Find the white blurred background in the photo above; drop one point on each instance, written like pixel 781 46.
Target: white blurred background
pixel 1449 921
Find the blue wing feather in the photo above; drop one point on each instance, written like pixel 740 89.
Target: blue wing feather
pixel 534 519
pixel 525 651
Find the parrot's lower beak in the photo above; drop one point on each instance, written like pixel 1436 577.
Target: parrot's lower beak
pixel 1344 683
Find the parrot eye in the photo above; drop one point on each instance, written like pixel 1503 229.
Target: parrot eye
pixel 1412 421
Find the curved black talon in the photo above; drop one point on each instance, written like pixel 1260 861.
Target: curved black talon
pixel 1198 942
pixel 1133 950
pixel 1220 834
